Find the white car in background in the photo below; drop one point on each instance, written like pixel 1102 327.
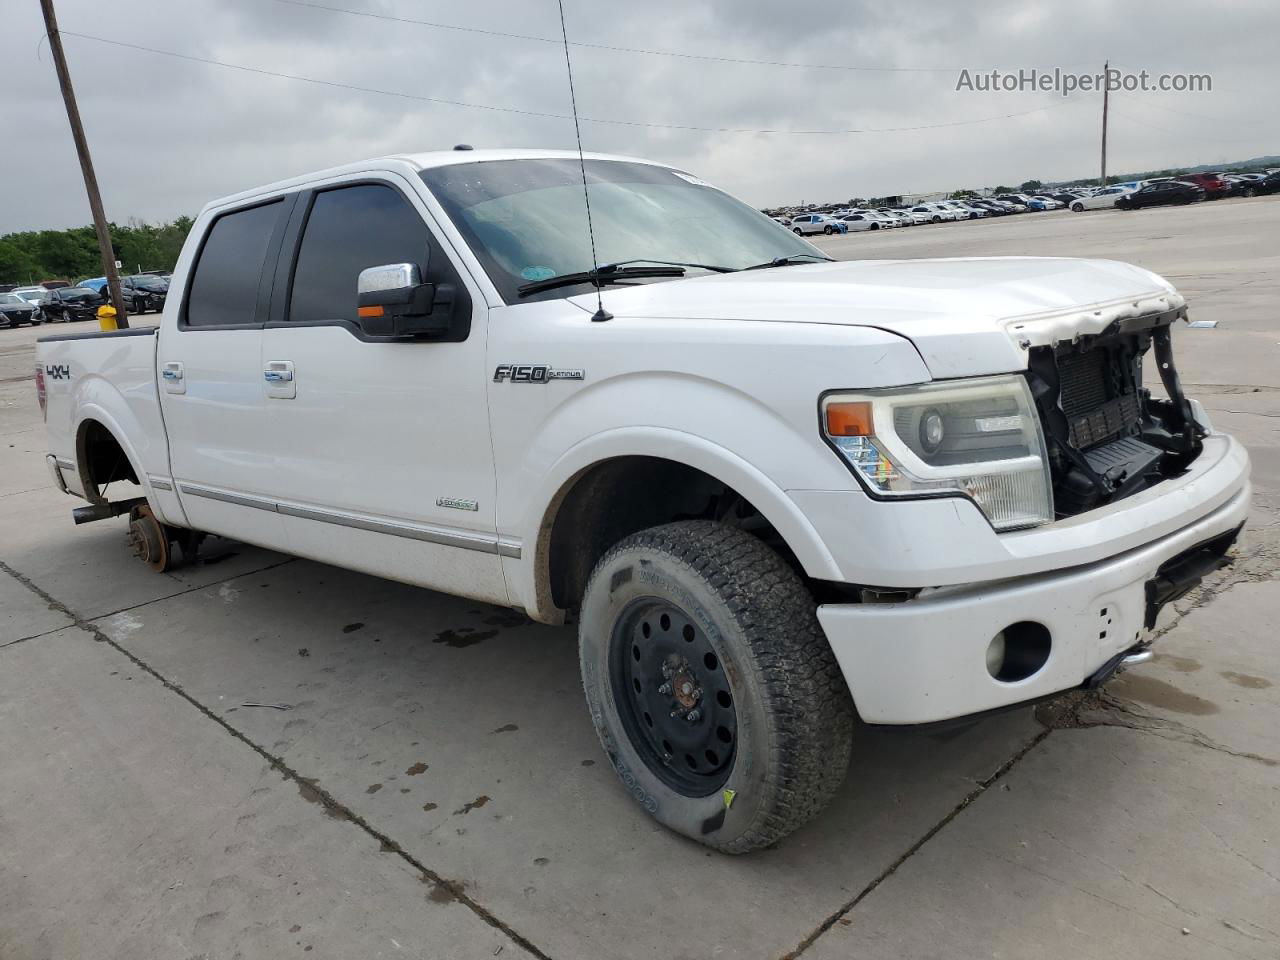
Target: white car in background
pixel 1100 200
pixel 900 217
pixel 817 223
pixel 934 214
pixel 918 216
pixel 878 219
pixel 968 210
pixel 858 223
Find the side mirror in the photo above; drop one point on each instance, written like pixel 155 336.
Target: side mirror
pixel 392 300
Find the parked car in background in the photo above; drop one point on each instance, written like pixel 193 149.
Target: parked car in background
pixel 817 223
pixel 995 206
pixel 1040 202
pixel 858 223
pixel 36 295
pixel 15 311
pixel 73 303
pixel 1019 203
pixel 1102 199
pixel 144 294
pixel 880 221
pixel 93 283
pixel 904 219
pixel 55 284
pixel 1160 193
pixel 1210 183
pixel 966 210
pixel 1068 197
pixel 1267 185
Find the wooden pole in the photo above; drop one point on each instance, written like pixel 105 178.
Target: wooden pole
pixel 1106 90
pixel 86 164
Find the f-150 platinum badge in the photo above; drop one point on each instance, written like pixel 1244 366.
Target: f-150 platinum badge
pixel 534 373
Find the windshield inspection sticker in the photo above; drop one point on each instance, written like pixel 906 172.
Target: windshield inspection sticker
pixel 537 273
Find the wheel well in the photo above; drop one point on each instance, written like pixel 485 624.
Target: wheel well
pixel 102 460
pixel 618 497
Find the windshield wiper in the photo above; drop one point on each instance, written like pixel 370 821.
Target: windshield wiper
pixel 713 267
pixel 609 273
pixel 787 261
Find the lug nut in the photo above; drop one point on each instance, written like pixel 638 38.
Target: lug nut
pixel 665 689
pixel 694 715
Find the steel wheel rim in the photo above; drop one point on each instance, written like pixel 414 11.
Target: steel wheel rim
pixel 673 696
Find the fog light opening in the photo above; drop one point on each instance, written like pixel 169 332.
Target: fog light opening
pixel 1018 651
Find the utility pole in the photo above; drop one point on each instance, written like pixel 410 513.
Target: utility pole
pixel 1106 91
pixel 86 164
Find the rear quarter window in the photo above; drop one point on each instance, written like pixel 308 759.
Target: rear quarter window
pixel 224 284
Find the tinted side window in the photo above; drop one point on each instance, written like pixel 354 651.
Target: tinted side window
pixel 224 286
pixel 349 229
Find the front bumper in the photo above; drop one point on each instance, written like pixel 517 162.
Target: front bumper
pixel 925 660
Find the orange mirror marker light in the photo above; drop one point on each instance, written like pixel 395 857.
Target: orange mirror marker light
pixel 851 419
pixel 369 311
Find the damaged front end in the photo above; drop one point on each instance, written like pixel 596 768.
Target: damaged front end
pixel 1107 436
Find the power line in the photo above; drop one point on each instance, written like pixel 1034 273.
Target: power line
pixel 554 116
pixel 616 49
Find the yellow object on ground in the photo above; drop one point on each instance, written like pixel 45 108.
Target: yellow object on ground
pixel 107 317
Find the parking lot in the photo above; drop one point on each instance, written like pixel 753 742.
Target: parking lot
pixel 259 756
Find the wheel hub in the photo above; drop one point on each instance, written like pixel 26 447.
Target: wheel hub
pixel 673 696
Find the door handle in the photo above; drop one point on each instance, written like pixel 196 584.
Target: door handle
pixel 279 377
pixel 174 377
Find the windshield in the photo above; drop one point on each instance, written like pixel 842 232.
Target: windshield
pixel 76 293
pixel 526 221
pixel 10 298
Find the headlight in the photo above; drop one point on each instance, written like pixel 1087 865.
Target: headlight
pixel 979 438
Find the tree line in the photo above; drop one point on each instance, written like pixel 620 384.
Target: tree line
pixel 72 254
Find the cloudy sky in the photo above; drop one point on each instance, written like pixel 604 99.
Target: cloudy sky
pixel 169 134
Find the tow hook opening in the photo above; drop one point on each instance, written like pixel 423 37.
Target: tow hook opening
pixel 1018 651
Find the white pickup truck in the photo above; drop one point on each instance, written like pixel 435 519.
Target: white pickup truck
pixel 776 492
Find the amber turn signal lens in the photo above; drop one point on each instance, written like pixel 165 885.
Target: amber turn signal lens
pixel 369 311
pixel 849 419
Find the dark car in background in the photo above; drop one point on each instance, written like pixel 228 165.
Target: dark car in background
pixel 143 293
pixel 1159 194
pixel 14 311
pixel 1211 183
pixel 1266 186
pixel 73 303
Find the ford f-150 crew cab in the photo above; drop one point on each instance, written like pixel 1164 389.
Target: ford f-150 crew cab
pixel 776 493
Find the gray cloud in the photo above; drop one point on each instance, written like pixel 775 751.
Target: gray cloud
pixel 168 135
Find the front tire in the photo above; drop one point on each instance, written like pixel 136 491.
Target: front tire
pixel 1077 207
pixel 712 688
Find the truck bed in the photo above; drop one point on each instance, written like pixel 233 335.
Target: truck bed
pixel 108 377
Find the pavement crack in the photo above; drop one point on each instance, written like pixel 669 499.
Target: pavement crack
pixel 448 890
pixel 970 797
pixel 34 636
pixel 1080 709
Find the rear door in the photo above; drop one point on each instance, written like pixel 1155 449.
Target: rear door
pixel 381 445
pixel 210 372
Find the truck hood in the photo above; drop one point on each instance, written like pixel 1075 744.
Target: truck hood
pixel 966 316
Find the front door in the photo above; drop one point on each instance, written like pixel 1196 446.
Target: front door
pixel 382 454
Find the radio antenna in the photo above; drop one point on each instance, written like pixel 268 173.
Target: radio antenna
pixel 601 313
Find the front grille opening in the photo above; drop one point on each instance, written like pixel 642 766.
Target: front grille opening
pixel 1108 437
